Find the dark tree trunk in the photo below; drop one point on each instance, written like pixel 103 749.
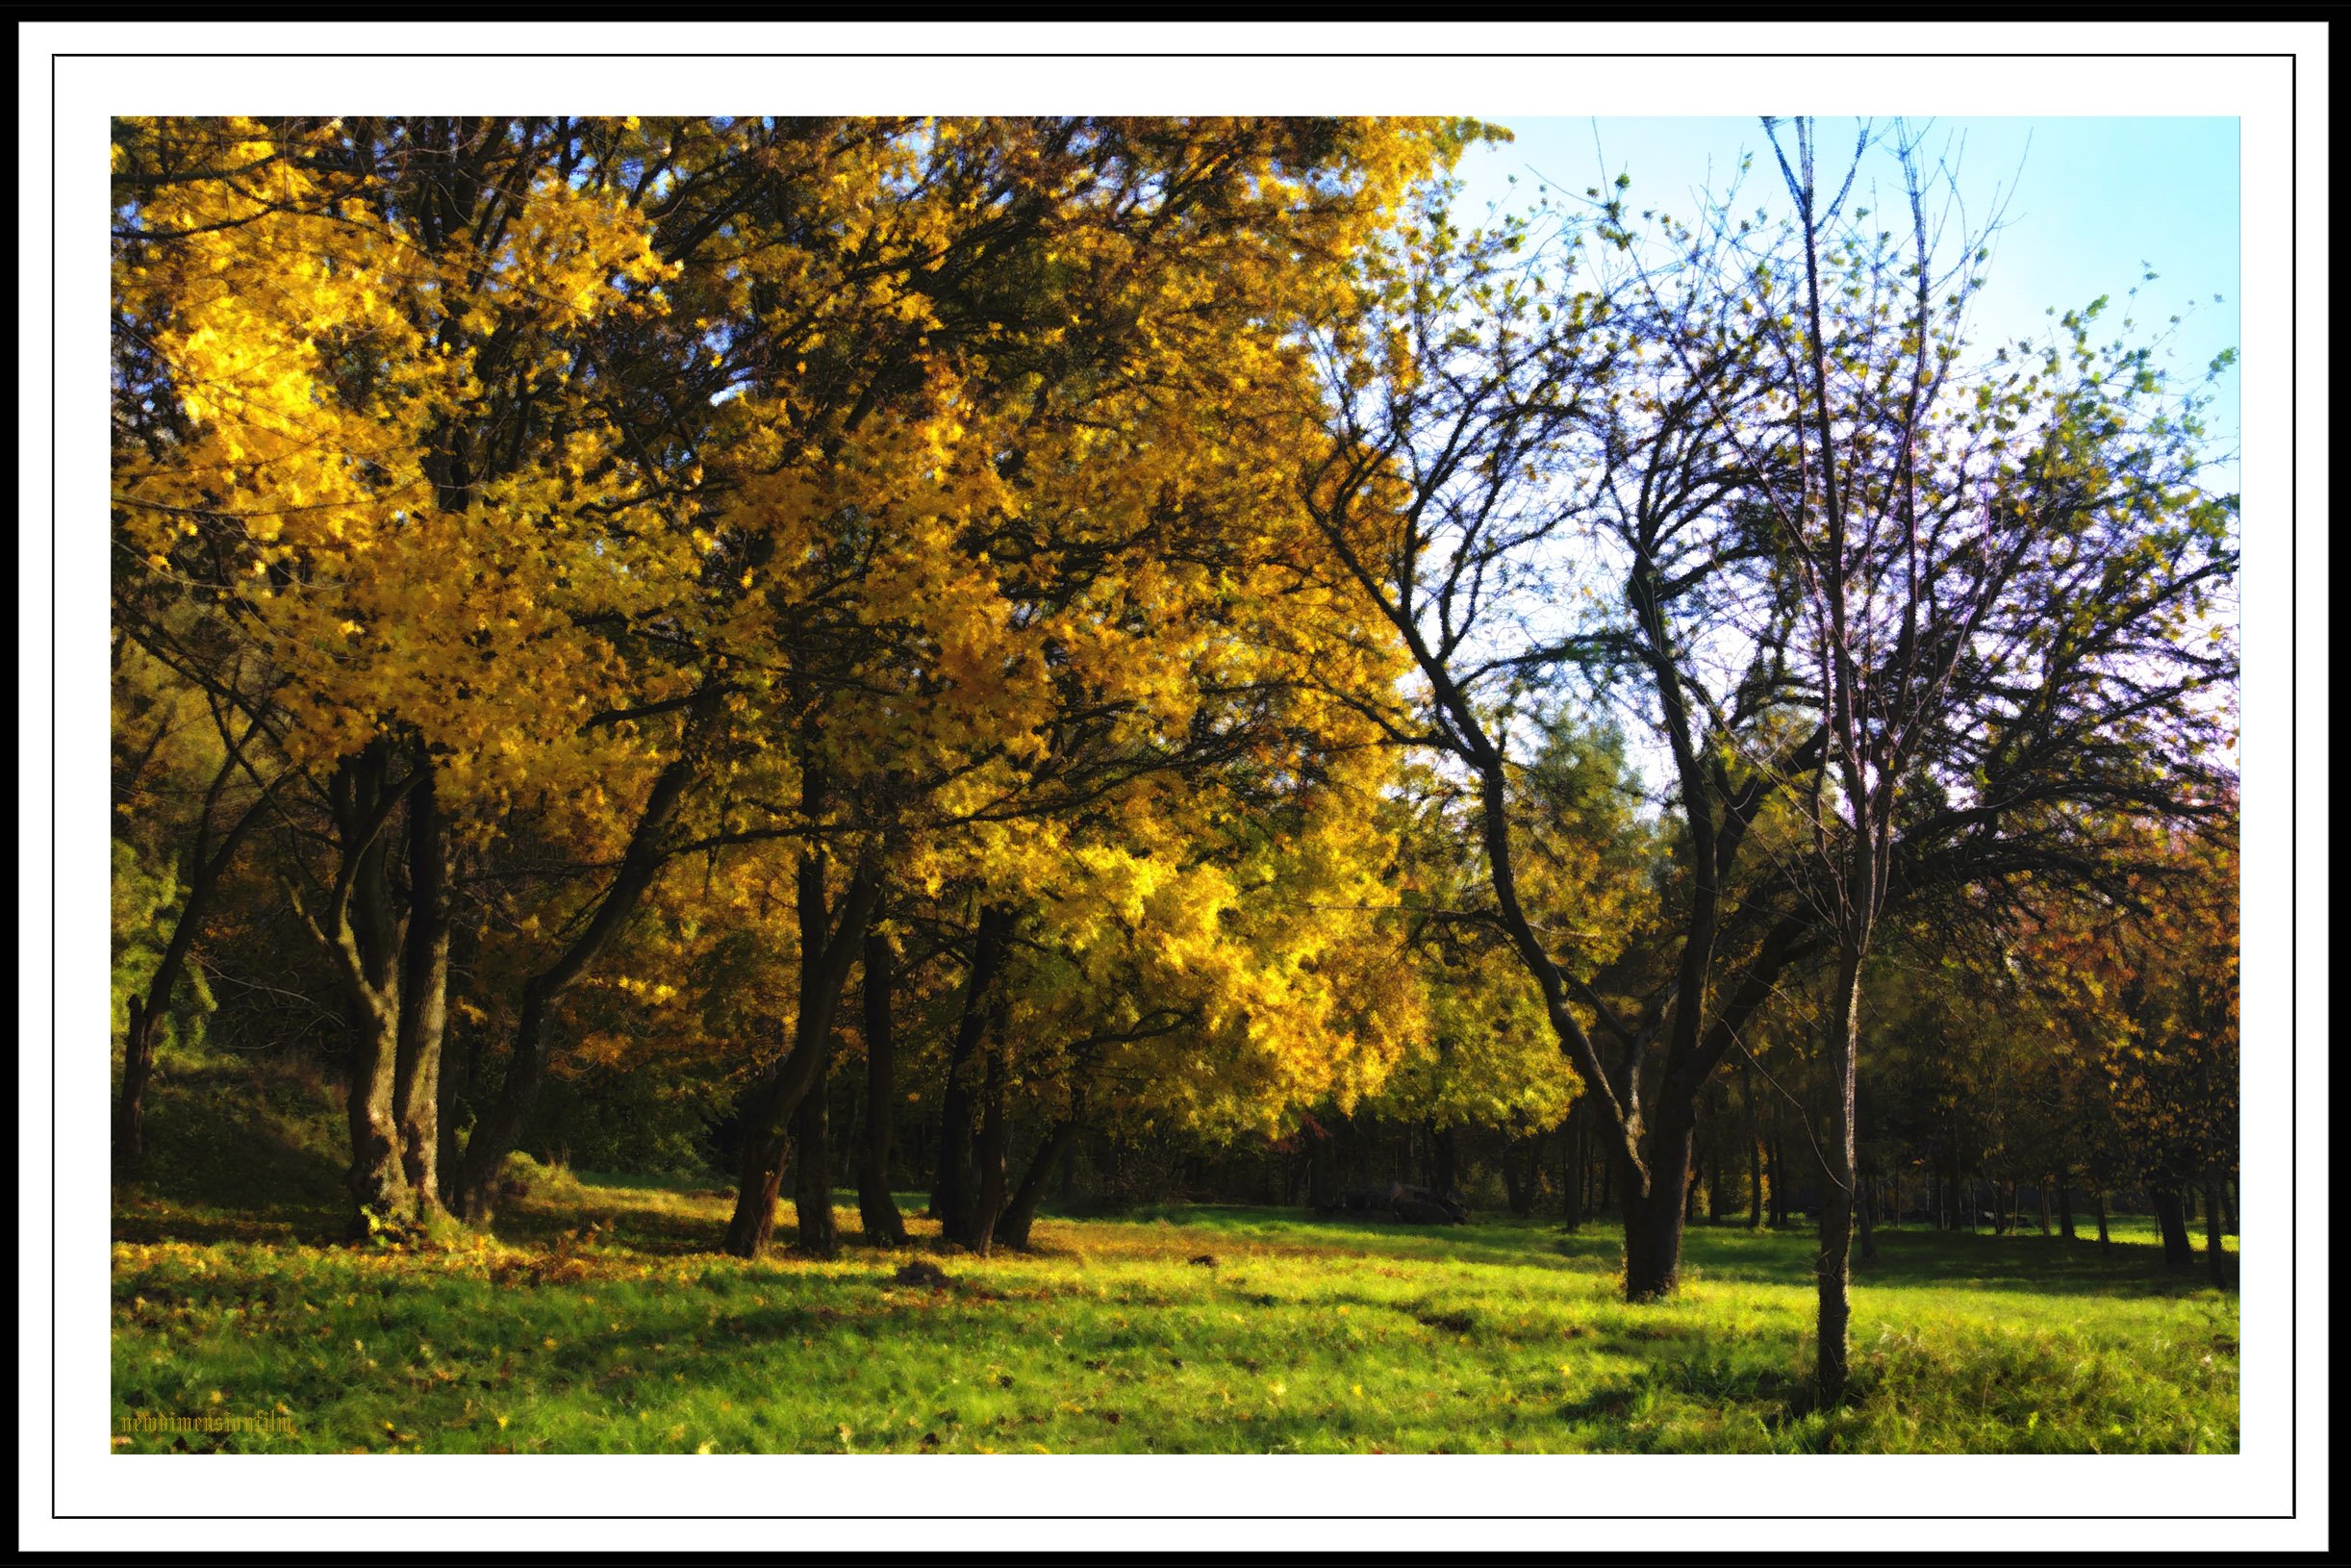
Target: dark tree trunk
pixel 2104 1239
pixel 2171 1217
pixel 2044 1197
pixel 367 939
pixel 2065 1227
pixel 1652 1246
pixel 1653 1220
pixel 811 1185
pixel 1012 1227
pixel 977 1231
pixel 1755 1148
pixel 954 1190
pixel 1834 1272
pixel 2216 1258
pixel 829 939
pixel 206 864
pixel 138 1067
pixel 1776 1152
pixel 499 1125
pixel 877 1209
pixel 1867 1220
pixel 752 1225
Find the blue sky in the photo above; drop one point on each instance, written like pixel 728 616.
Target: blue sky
pixel 2089 201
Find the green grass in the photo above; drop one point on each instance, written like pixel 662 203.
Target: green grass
pixel 597 1321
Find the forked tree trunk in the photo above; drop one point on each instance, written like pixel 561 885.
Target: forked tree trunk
pixel 501 1121
pixel 1019 1214
pixel 976 1227
pixel 831 935
pixel 877 1209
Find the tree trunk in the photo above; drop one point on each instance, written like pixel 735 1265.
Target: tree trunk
pixel 366 944
pixel 1653 1245
pixel 138 1067
pixel 2065 1227
pixel 377 1182
pixel 2215 1257
pixel 2171 1218
pixel 206 864
pixel 831 935
pixel 500 1124
pixel 977 1229
pixel 954 1188
pixel 1834 1270
pixel 877 1209
pixel 2044 1197
pixel 1653 1220
pixel 811 1185
pixel 1754 1150
pixel 752 1225
pixel 1776 1150
pixel 1021 1213
pixel 424 995
pixel 2103 1240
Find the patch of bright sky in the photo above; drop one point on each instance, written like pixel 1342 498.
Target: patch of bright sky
pixel 2089 207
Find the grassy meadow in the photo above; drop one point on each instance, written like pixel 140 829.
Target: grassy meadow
pixel 599 1319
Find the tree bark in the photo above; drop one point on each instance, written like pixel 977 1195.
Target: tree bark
pixel 366 942
pixel 877 1209
pixel 501 1123
pixel 2171 1218
pixel 2066 1226
pixel 2104 1239
pixel 1653 1220
pixel 1755 1148
pixel 1012 1227
pixel 955 1189
pixel 206 864
pixel 828 938
pixel 812 1187
pixel 752 1224
pixel 2215 1257
pixel 424 995
pixel 976 1231
pixel 1834 1271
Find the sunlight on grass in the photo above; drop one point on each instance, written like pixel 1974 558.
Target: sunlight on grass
pixel 599 1322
